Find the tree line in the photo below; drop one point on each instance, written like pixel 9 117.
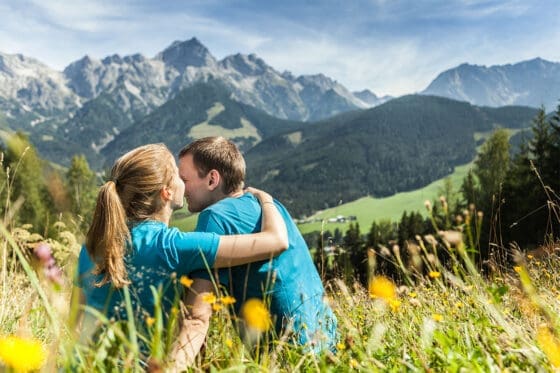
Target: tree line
pixel 37 193
pixel 506 203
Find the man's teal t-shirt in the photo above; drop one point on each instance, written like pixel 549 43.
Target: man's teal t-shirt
pixel 289 281
pixel 158 256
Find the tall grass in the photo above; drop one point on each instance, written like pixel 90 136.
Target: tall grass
pixel 449 318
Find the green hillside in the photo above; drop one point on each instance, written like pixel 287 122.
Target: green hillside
pixel 369 209
pixel 201 110
pixel 399 146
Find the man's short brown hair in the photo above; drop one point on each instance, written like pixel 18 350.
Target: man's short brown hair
pixel 220 154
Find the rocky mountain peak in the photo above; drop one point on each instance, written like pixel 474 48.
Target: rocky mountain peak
pixel 181 54
pixel 115 58
pixel 531 83
pixel 245 64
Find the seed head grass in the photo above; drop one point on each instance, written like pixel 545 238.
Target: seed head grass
pixel 451 318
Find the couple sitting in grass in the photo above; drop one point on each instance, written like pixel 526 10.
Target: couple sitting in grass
pixel 249 239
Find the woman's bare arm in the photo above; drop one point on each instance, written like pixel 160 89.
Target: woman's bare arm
pixel 245 248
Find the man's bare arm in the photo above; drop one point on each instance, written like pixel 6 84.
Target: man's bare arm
pixel 194 326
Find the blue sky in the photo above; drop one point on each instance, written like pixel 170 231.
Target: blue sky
pixel 388 46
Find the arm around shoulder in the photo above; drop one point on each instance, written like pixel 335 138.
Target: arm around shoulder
pixel 246 248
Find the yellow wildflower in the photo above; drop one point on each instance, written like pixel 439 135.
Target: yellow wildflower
pixel 186 282
pixel 227 300
pixel 256 315
pixel 395 304
pixel 549 344
pixel 229 343
pixel 437 317
pixel 529 256
pixel 150 321
pixel 21 354
pixel 340 346
pixel 517 269
pixel 412 294
pixel 354 364
pixel 383 288
pixel 217 306
pixel 209 298
pixel 434 274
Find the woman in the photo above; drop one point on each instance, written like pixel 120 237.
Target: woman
pixel 129 243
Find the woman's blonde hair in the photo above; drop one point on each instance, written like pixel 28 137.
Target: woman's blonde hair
pixel 131 195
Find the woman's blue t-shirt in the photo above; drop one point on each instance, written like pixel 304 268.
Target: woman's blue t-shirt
pixel 158 257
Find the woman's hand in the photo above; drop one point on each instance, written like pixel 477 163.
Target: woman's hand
pixel 261 195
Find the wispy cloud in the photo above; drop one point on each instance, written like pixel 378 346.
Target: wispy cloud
pixel 392 47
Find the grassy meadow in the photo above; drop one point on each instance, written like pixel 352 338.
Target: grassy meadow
pixel 434 316
pixel 446 318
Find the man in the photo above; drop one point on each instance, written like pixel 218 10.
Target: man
pixel 213 170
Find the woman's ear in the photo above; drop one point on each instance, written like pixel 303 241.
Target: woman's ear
pixel 166 194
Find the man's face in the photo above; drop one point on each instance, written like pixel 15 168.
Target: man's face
pixel 197 189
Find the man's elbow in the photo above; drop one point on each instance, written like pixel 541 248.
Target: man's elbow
pixel 284 243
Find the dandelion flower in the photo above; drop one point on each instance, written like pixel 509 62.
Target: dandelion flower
pixel 354 363
pixel 434 274
pixel 517 269
pixel 209 298
pixel 340 346
pixel 437 317
pixel 383 288
pixel 21 354
pixel 217 306
pixel 256 315
pixel 395 304
pixel 186 282
pixel 150 321
pixel 227 300
pixel 549 344
pixel 229 343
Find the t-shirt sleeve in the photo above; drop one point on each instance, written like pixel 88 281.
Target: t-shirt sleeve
pixel 196 250
pixel 209 221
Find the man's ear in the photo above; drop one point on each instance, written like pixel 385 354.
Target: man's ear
pixel 214 179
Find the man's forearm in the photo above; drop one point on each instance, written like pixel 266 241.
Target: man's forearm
pixel 194 326
pixel 189 342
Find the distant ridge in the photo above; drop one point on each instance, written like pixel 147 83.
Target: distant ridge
pixel 531 83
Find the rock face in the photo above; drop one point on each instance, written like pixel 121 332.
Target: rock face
pixel 530 83
pixel 139 84
pixel 27 85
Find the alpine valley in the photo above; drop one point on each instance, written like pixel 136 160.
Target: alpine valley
pixel 307 139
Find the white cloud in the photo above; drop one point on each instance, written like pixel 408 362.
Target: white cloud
pixel 389 47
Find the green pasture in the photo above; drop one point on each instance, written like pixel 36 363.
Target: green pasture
pixel 369 209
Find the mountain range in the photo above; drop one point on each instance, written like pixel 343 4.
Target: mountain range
pixel 140 84
pixel 529 83
pixel 307 139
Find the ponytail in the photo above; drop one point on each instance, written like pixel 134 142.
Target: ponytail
pixel 108 237
pixel 131 196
